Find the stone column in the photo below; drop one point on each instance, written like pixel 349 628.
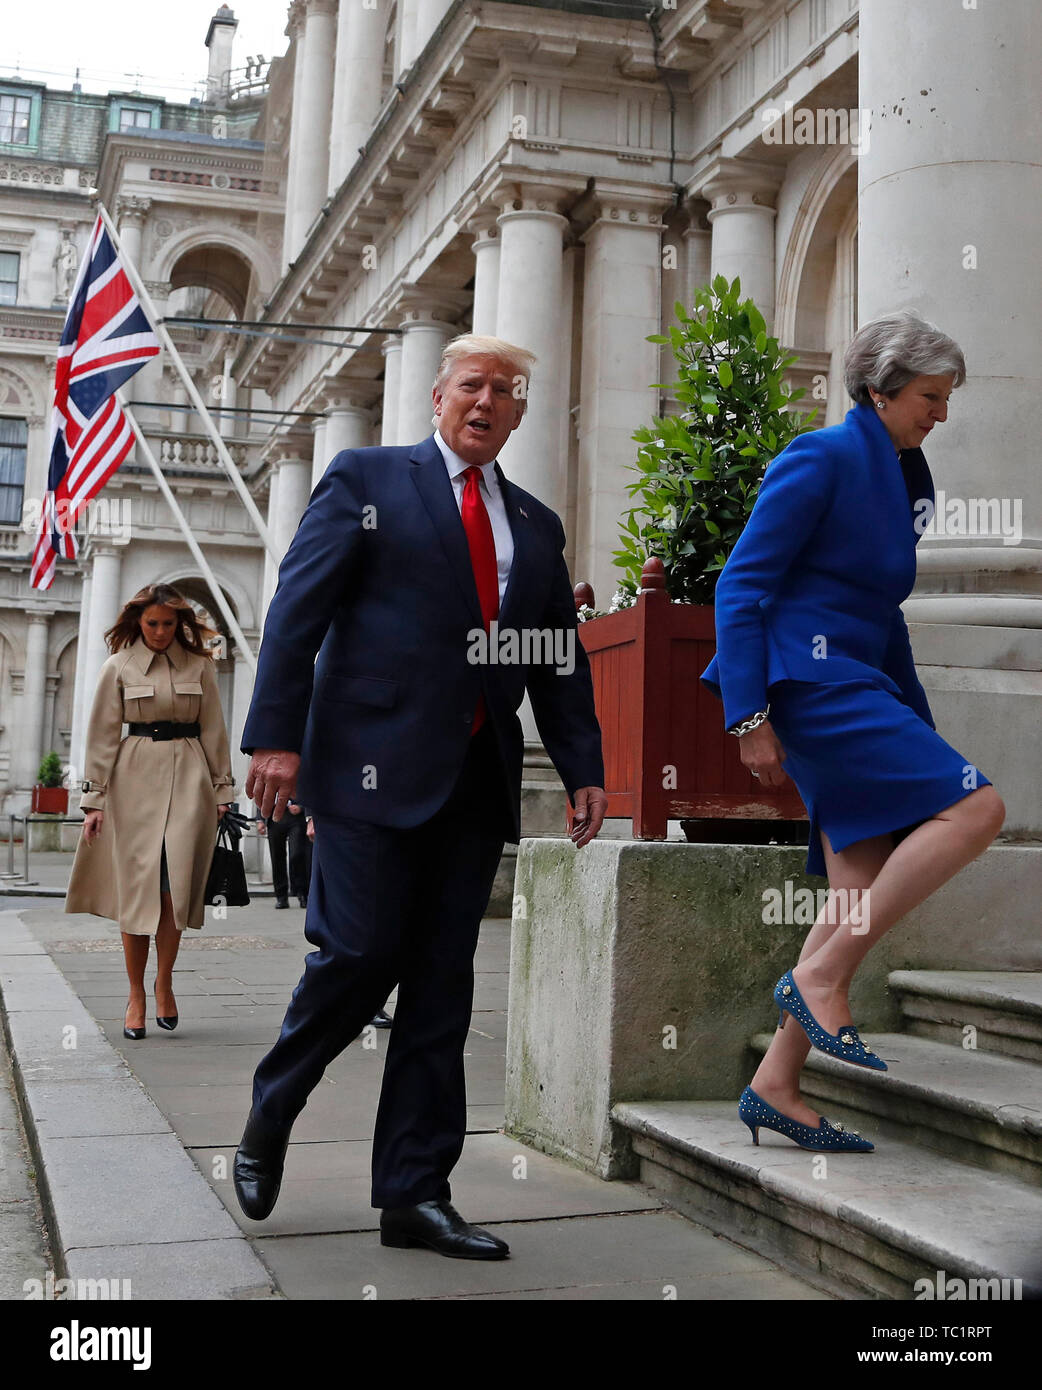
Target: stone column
pixel 698 250
pixel 34 691
pixel 270 566
pixel 309 132
pixel 486 250
pixel 348 423
pixel 425 335
pixel 949 186
pixel 361 33
pixel 293 493
pixel 429 14
pixel 405 36
pixel 106 565
pixel 79 714
pixel 621 306
pixel 228 400
pixel 392 355
pixel 242 691
pixel 528 315
pixel 295 33
pixel 131 213
pixel 319 455
pixel 741 193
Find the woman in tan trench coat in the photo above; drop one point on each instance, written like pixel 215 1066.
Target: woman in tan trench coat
pixel 152 803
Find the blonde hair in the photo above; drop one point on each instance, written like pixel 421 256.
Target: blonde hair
pixel 519 359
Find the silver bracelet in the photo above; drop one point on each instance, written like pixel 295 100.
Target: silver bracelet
pixel 753 722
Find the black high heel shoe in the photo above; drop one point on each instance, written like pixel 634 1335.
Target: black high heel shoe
pixel 134 1034
pixel 169 1023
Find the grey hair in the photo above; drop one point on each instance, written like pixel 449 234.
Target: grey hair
pixel 893 350
pixel 518 359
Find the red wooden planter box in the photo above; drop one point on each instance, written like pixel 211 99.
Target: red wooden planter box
pixel 667 755
pixel 50 801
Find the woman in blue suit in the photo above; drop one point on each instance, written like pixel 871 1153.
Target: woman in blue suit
pixel 815 671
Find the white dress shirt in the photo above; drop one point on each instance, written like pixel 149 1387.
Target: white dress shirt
pixel 492 496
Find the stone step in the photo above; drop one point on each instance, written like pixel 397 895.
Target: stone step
pixel 979 1107
pixel 859 1225
pixel 999 1011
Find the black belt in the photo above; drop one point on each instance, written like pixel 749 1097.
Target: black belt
pixel 164 729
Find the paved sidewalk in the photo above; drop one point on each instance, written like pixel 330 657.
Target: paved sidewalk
pixel 571 1235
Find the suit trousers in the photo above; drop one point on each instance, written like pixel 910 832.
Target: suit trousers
pixel 289 833
pixel 397 907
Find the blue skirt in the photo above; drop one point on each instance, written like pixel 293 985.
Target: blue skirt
pixel 863 762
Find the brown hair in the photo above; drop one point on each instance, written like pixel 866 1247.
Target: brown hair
pixel 190 632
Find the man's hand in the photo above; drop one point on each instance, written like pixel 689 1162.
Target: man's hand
pixel 311 828
pixel 272 780
pixel 591 804
pixel 92 823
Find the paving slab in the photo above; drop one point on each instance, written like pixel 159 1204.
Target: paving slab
pixel 197 1269
pixel 327 1186
pixel 93 1109
pixel 664 1251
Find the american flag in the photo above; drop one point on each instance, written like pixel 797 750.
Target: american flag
pixel 106 339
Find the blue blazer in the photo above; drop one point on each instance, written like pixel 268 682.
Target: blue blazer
pixel 813 588
pixel 378 582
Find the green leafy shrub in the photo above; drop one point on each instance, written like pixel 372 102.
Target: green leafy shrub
pixel 700 470
pixel 50 773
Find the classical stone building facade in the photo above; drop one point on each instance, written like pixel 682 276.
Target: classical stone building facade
pixel 558 174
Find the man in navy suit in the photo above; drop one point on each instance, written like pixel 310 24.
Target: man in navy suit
pixel 409 568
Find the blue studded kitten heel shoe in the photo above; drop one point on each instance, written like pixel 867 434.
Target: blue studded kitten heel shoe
pixel 757 1114
pixel 846 1045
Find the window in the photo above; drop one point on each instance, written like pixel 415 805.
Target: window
pixel 15 113
pixel 14 435
pixel 133 118
pixel 129 116
pixel 9 262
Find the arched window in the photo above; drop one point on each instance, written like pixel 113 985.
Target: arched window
pixel 14 435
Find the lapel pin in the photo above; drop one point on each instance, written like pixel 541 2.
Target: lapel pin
pixel 523 512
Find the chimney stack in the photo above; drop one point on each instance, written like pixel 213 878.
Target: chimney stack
pixel 219 38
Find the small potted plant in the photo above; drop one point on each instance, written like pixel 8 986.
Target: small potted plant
pixel 699 471
pixel 50 796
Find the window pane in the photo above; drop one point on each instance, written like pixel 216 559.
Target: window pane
pixel 14 119
pixel 131 119
pixel 13 431
pixel 9 265
pixel 13 436
pixel 11 504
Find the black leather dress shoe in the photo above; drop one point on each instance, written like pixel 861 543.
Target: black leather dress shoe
pixel 381 1019
pixel 282 902
pixel 303 899
pixel 439 1225
pixel 257 1170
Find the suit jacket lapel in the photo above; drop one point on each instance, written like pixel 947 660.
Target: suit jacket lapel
pixel 432 482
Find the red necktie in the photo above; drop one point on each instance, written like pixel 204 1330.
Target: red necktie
pixel 482 546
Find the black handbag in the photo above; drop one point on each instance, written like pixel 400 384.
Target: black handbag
pixel 226 882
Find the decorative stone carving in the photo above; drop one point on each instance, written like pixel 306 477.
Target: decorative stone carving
pixel 66 263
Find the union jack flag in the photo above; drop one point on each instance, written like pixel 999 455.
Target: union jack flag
pixel 106 339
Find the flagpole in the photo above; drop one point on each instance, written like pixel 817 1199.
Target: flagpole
pixel 193 544
pixel 159 328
